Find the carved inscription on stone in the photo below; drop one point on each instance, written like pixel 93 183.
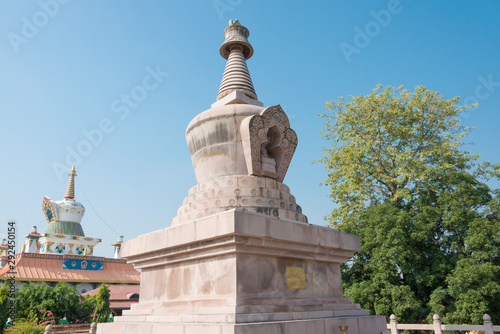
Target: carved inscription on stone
pixel 268 143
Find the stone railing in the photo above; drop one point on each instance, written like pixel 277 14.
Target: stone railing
pixel 438 327
pixel 92 330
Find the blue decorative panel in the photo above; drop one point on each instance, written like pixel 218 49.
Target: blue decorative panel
pixel 78 264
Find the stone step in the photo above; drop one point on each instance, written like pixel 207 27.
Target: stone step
pixel 241 318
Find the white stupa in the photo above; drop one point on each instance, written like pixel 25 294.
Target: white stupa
pixel 240 257
pixel 64 235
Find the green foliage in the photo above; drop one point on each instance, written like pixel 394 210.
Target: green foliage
pixel 32 324
pixel 46 318
pixel 86 308
pixel 4 305
pixel 33 297
pixel 63 300
pixel 66 301
pixel 473 288
pixel 391 144
pixel 429 227
pixel 102 309
pixel 27 326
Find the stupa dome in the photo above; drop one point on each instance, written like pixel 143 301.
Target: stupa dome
pixel 70 211
pixel 64 216
pixel 214 141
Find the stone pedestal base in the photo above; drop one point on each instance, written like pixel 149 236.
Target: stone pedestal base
pixel 356 325
pixel 241 272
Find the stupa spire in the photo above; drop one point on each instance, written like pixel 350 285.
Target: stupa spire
pixel 236 49
pixel 70 189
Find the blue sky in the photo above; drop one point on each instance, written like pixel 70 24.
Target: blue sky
pixel 64 66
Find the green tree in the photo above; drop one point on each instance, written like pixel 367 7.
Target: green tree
pixel 473 288
pixel 4 305
pixel 66 302
pixel 102 309
pixel 63 300
pixel 32 298
pixel 402 182
pixel 86 308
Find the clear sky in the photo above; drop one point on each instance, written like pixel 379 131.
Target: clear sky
pixel 65 65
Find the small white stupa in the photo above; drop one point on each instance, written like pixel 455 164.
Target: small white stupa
pixel 31 244
pixel 62 253
pixel 64 235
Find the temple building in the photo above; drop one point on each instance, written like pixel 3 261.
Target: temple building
pixel 62 253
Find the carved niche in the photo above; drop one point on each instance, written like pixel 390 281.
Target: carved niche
pixel 268 143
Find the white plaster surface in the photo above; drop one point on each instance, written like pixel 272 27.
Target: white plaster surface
pixel 69 210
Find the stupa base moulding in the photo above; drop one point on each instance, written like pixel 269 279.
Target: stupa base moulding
pixel 242 272
pixel 361 325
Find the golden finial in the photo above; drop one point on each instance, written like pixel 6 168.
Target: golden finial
pixel 70 190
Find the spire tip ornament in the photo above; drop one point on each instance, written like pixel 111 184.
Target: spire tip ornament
pixel 70 190
pixel 236 49
pixel 236 35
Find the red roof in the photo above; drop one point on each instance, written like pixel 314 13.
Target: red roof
pixel 119 291
pixel 34 234
pixel 119 295
pixel 44 267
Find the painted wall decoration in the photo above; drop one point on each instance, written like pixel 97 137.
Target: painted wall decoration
pixel 60 248
pixel 46 248
pixel 80 249
pixel 48 209
pixel 78 264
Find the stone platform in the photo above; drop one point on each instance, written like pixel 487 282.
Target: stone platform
pixel 361 325
pixel 242 272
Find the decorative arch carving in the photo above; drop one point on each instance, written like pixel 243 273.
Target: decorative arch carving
pixel 268 143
